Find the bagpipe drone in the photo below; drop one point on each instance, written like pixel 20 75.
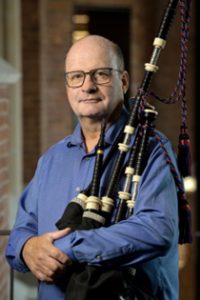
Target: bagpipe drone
pixel 89 210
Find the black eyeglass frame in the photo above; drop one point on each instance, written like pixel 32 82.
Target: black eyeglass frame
pixel 91 73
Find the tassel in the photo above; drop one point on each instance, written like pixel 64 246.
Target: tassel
pixel 184 153
pixel 185 219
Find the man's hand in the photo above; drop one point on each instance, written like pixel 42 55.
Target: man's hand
pixel 43 259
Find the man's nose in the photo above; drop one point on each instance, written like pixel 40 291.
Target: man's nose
pixel 89 83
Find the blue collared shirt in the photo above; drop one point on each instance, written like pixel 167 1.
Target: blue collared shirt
pixel 148 240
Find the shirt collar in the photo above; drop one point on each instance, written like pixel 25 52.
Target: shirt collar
pixel 76 138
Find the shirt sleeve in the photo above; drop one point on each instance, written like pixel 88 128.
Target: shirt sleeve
pixel 26 225
pixel 150 232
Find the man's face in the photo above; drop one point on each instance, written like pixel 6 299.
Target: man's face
pixel 92 100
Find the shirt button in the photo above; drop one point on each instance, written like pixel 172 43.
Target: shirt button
pixel 78 189
pixel 87 158
pixel 98 257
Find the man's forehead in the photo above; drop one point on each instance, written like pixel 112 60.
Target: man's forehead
pixel 89 45
pixel 91 53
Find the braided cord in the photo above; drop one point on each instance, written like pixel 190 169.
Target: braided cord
pixel 185 224
pixel 171 165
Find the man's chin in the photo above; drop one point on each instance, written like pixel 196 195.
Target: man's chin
pixel 93 115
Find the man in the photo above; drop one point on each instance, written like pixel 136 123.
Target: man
pixel 148 241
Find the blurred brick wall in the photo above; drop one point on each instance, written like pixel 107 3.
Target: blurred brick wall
pixel 4 188
pixel 31 86
pixel 47 116
pixel 56 117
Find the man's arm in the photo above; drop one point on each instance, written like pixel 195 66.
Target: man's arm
pixel 43 259
pixel 26 249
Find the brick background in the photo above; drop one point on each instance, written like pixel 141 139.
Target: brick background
pixel 31 85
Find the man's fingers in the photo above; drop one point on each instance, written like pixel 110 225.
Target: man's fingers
pixel 58 234
pixel 44 278
pixel 57 254
pixel 43 258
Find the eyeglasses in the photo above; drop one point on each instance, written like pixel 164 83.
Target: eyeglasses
pixel 100 76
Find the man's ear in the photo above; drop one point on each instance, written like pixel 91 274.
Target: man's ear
pixel 125 81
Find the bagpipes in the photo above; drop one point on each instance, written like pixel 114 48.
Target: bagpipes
pixel 89 210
